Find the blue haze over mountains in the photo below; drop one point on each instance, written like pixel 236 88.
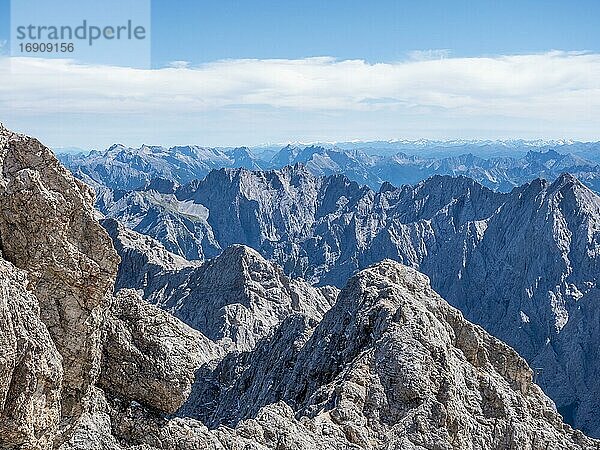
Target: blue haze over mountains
pixel 499 165
pixel 510 235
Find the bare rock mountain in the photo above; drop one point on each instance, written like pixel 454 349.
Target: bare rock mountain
pixel 235 299
pixel 389 365
pixel 121 167
pixel 523 264
pixel 181 226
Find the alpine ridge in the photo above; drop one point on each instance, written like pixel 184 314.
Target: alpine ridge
pixel 234 299
pixel 524 264
pixel 386 363
pixel 500 166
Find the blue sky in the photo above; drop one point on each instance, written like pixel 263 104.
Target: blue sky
pixel 247 72
pixel 377 31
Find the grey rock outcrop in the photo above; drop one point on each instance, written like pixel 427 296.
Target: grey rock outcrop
pixel 181 226
pixel 391 365
pixel 239 297
pixel 94 427
pixel 54 308
pixel 143 258
pixel 234 299
pixel 30 368
pixel 149 356
pixel 48 229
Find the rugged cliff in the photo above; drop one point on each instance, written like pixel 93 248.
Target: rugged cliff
pixel 524 265
pixel 62 331
pixel 235 299
pixel 48 229
pixel 389 365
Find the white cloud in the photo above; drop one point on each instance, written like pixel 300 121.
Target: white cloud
pixel 179 64
pixel 425 55
pixel 556 87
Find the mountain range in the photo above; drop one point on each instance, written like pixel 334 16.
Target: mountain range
pixel 370 164
pixel 524 265
pixel 90 362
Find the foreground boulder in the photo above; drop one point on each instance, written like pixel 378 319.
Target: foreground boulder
pixel 150 356
pixel 30 367
pixel 48 229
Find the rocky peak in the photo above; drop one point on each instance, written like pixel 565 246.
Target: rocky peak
pixel 242 155
pixel 235 299
pixel 286 155
pixel 565 180
pixel 386 186
pixel 391 365
pixel 543 156
pixel 571 194
pixel 161 185
pixel 48 229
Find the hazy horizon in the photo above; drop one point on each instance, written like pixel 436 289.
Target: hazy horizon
pixel 231 74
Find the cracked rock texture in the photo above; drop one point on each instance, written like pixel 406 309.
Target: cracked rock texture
pixel 392 365
pixel 57 273
pixel 150 356
pixel 48 229
pixel 30 367
pixel 278 364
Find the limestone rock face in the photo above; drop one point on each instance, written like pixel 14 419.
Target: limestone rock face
pixel 391 365
pixel 525 265
pixel 239 297
pixel 150 356
pixel 94 427
pixel 143 259
pixel 234 299
pixel 48 229
pixel 30 368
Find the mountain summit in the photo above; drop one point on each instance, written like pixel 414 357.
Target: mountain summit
pixel 522 264
pixel 390 364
